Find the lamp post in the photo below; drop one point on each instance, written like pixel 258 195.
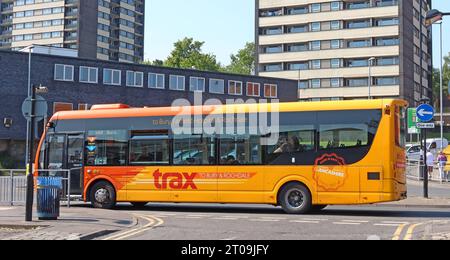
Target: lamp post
pixel 371 60
pixel 435 16
pixel 30 155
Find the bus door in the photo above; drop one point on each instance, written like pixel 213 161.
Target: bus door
pixel 65 152
pixel 240 174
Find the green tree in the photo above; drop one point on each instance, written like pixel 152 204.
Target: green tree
pixel 156 62
pixel 244 61
pixel 187 54
pixel 446 80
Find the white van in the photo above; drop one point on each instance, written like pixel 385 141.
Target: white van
pixel 413 152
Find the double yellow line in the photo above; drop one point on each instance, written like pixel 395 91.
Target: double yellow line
pixel 152 223
pixel 409 233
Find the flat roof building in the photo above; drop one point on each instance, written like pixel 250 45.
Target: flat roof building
pixel 328 46
pixel 78 83
pixel 103 29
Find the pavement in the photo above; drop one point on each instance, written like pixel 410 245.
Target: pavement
pixel 80 222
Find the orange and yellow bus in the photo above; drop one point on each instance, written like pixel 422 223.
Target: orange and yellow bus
pixel 327 153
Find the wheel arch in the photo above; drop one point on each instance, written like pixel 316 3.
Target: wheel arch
pixel 91 183
pixel 297 180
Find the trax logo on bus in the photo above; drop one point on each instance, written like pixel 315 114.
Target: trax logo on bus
pixel 174 180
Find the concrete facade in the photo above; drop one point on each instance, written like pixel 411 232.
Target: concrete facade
pixel 104 29
pixel 326 46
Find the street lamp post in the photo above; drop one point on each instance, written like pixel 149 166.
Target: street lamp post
pixel 435 16
pixel 30 155
pixel 371 60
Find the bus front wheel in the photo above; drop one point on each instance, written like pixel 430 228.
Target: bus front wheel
pixel 103 195
pixel 295 198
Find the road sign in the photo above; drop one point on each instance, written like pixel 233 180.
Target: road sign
pixel 412 121
pixel 41 108
pixel 425 113
pixel 426 125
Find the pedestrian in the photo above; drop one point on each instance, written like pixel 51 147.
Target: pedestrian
pixel 430 163
pixel 442 163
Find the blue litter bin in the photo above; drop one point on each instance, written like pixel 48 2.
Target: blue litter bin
pixel 48 197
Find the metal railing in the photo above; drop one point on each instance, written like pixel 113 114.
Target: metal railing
pixel 13 184
pixel 415 169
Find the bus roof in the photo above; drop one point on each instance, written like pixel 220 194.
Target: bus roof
pixel 123 111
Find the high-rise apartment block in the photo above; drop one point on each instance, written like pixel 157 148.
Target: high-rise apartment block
pixel 103 29
pixel 346 49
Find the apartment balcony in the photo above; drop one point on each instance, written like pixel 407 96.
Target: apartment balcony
pixel 343 34
pixel 376 51
pixel 354 14
pixel 346 72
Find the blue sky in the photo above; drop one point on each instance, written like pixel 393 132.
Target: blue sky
pixel 224 25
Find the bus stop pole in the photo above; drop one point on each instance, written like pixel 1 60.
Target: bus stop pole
pixel 425 171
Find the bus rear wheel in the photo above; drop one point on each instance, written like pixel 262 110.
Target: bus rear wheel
pixel 103 195
pixel 295 199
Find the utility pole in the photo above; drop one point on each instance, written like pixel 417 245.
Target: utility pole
pixel 30 177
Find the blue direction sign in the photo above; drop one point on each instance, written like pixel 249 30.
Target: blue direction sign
pixel 425 113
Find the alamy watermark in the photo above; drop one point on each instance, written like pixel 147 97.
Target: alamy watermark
pixel 234 118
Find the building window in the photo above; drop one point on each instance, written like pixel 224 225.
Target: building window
pixel 315 83
pixel 316 64
pixel 315 8
pixel 217 86
pixel 112 77
pixel 387 81
pixel 253 89
pixel 156 81
pixel 234 87
pixel 61 106
pixel 335 63
pixel 315 45
pixel 335 44
pixel 135 79
pixel 335 82
pixel 335 25
pixel 335 6
pixel 83 107
pixel 315 27
pixel 270 91
pixel 177 82
pixel 88 75
pixel 64 72
pixel 197 84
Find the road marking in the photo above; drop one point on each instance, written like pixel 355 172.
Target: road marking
pixel 279 218
pixel 346 223
pixel 395 222
pixel 6 208
pixel 386 225
pixel 305 221
pixel 200 216
pixel 410 232
pixel 356 221
pixel 265 220
pixel 224 218
pixel 152 223
pixel 398 232
pixel 314 219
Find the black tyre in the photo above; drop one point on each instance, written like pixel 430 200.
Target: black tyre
pixel 103 195
pixel 139 204
pixel 295 198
